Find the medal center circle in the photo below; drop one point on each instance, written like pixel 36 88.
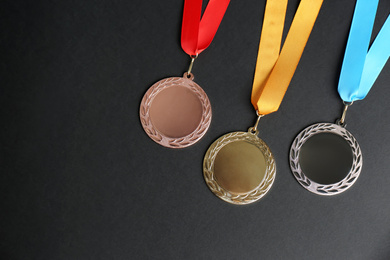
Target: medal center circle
pixel 326 158
pixel 239 167
pixel 176 111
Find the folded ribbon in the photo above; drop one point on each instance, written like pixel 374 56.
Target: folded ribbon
pixel 360 69
pixel 197 33
pixel 273 71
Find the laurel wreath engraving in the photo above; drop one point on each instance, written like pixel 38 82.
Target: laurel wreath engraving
pixel 209 176
pixel 312 186
pixel 160 138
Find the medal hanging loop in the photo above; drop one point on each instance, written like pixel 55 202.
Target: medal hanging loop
pixel 191 64
pixel 254 130
pixel 274 71
pixel 341 121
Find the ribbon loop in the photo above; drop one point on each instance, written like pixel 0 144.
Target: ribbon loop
pixel 197 33
pixel 273 71
pixel 360 69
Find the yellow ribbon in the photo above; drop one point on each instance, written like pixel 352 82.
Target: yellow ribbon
pixel 273 71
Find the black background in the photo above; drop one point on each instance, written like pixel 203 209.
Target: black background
pixel 80 179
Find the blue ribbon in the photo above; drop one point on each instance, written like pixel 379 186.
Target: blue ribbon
pixel 360 69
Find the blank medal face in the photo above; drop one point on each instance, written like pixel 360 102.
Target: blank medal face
pixel 239 168
pixel 175 112
pixel 325 159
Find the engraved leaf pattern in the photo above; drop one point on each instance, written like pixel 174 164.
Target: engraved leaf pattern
pixel 208 169
pixel 335 188
pixel 164 140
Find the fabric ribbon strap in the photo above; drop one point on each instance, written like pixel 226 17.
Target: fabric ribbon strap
pixel 197 33
pixel 273 71
pixel 360 69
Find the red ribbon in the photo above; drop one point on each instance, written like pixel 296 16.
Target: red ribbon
pixel 197 33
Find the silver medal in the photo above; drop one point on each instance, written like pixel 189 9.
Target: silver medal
pixel 325 158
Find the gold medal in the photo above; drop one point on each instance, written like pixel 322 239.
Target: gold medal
pixel 239 167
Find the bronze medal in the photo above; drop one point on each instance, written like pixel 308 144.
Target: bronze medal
pixel 175 112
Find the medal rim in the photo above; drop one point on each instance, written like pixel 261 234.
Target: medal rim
pixel 244 198
pixel 154 133
pixel 318 188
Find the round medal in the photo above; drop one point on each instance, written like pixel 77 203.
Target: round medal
pixel 326 159
pixel 239 168
pixel 175 112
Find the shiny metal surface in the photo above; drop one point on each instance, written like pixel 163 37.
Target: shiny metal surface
pixel 346 164
pixel 175 112
pixel 326 158
pixel 239 168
